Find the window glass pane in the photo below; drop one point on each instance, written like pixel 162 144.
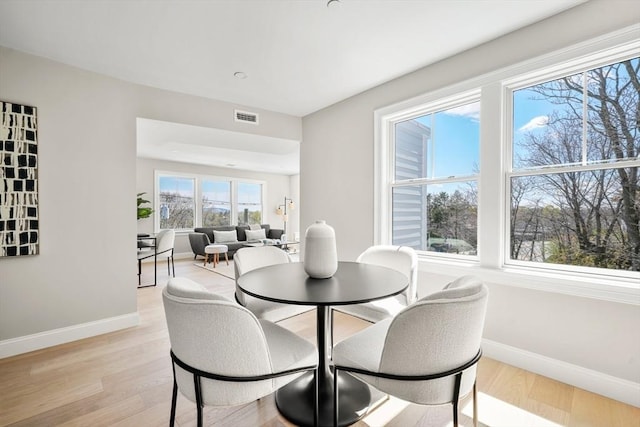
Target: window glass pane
pixel 216 203
pixel 613 131
pixel 438 218
pixel 585 218
pixel 552 128
pixel 177 200
pixel 249 203
pixel 443 144
pixel 547 123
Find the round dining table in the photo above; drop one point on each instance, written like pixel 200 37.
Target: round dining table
pixel 352 283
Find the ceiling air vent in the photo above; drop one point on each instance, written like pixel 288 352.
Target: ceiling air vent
pixel 246 117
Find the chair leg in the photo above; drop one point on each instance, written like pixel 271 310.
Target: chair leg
pixel 455 413
pixel 174 399
pixel 226 258
pixel 475 405
pixel 139 271
pixel 173 265
pixel 456 398
pixel 198 392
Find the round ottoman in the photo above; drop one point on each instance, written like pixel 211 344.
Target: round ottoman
pixel 212 254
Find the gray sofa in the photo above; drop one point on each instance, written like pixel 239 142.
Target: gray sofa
pixel 203 236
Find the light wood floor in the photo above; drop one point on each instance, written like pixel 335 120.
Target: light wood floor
pixel 124 379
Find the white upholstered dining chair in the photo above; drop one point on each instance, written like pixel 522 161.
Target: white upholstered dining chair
pixel 222 355
pixel 400 258
pixel 249 259
pixel 427 353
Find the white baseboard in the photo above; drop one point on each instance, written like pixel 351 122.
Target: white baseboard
pixel 25 344
pixel 577 376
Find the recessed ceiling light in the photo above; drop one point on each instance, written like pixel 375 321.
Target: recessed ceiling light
pixel 231 165
pixel 240 75
pixel 333 3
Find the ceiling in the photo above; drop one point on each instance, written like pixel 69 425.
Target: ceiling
pixel 217 147
pixel 299 56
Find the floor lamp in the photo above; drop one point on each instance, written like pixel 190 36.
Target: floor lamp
pixel 282 211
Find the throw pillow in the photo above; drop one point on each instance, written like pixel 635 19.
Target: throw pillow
pixel 225 236
pixel 255 234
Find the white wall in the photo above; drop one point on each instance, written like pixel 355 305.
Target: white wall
pixel 277 187
pixel 590 343
pixel 84 280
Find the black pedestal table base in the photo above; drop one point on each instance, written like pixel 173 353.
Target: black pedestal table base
pixel 295 401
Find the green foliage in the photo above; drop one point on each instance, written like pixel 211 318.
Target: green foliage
pixel 143 211
pixel 452 219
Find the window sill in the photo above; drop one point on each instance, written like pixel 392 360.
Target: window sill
pixel 620 290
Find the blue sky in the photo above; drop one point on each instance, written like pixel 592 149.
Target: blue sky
pixel 456 131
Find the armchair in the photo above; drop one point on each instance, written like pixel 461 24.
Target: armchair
pixel 238 361
pixel 427 354
pixel 198 242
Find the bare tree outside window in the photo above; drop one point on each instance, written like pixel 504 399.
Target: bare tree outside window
pixel 575 196
pixel 177 203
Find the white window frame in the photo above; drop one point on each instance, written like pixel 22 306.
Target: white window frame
pixel 198 195
pixel 156 197
pixel 495 162
pixel 580 65
pixel 235 197
pixel 439 105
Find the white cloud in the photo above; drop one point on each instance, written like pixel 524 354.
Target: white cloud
pixel 468 110
pixel 535 123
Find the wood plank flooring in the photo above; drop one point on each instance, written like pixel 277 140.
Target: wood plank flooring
pixel 124 379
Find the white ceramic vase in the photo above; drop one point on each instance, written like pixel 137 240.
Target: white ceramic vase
pixel 320 253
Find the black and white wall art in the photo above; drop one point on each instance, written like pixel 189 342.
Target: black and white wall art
pixel 19 233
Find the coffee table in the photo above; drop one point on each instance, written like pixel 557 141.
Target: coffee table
pixel 284 246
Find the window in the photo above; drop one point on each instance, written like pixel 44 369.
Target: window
pixel 435 170
pixel 216 203
pixel 550 197
pixel 574 184
pixel 176 202
pixel 249 203
pixel 189 201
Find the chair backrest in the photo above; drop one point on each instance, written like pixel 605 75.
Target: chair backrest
pixel 164 242
pixel 462 282
pixel 400 258
pixel 439 332
pixel 213 334
pixel 248 259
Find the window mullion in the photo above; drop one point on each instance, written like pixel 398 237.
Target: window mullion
pixel 491 194
pixel 585 117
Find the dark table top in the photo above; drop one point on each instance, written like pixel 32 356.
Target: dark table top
pixel 353 283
